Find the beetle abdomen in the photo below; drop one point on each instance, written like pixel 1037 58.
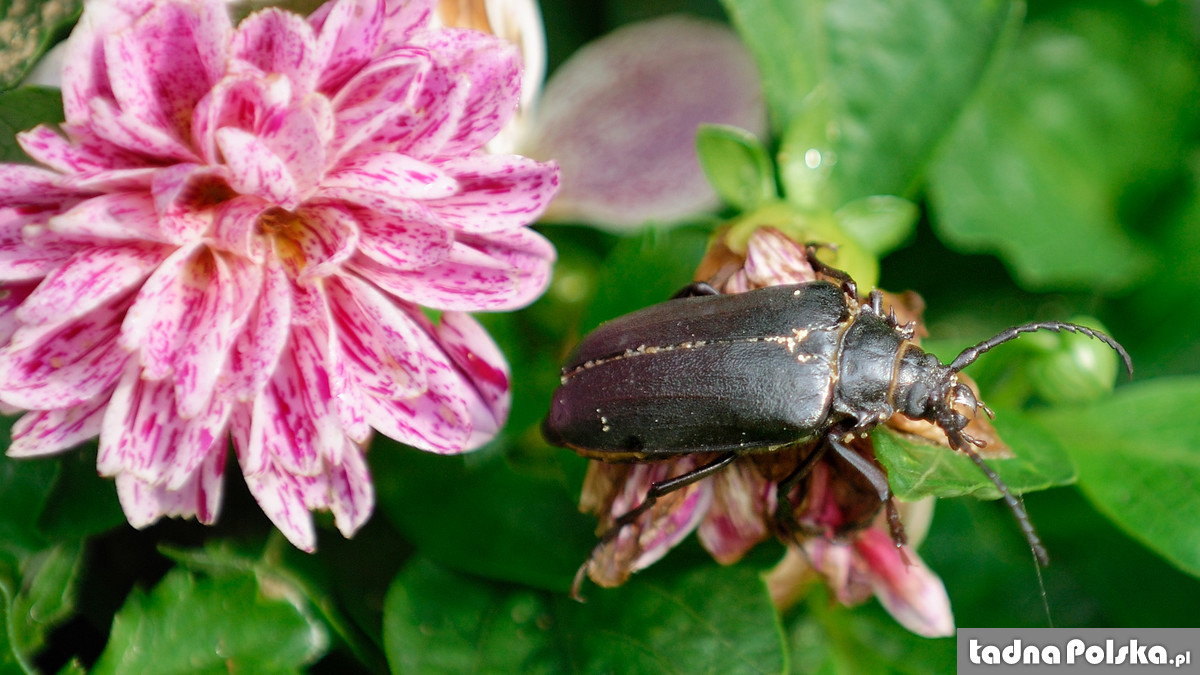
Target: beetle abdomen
pixel 742 388
pixel 768 312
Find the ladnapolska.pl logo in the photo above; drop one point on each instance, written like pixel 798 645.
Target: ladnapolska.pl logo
pixel 1052 650
pixel 1111 653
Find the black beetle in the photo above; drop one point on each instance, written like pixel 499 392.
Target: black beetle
pixel 760 371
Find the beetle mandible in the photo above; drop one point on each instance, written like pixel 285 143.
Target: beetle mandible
pixel 763 370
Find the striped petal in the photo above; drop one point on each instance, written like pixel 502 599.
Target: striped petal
pixel 497 192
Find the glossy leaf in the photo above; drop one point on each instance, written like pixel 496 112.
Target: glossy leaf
pixel 23 109
pixel 918 468
pixel 488 520
pixel 891 91
pixel 737 165
pixel 202 624
pixel 31 26
pixel 1035 171
pixel 1138 454
pixel 710 620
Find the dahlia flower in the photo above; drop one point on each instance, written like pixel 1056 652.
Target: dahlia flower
pixel 237 235
pixel 838 531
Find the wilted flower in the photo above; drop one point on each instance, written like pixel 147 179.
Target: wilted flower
pixel 839 530
pixel 238 235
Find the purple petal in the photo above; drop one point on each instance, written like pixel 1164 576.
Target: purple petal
pixel 478 357
pixel 85 75
pixel 620 118
pixel 127 131
pixel 280 498
pixel 910 592
pixel 44 432
pixel 27 249
pixel 406 19
pixel 325 237
pixel 293 417
pixel 497 192
pixel 240 101
pixel 235 227
pixel 12 294
pixel 27 186
pixel 351 493
pixel 206 332
pixel 82 154
pixel 438 420
pixel 183 197
pixel 152 324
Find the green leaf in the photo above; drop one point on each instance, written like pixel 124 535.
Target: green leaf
pixel 918 468
pixel 80 503
pixel 203 624
pixel 439 621
pixel 880 223
pixel 880 80
pixel 30 28
pixel 830 638
pixel 643 270
pixel 478 515
pixel 1138 455
pixel 1092 100
pixel 710 620
pixel 736 164
pixel 23 109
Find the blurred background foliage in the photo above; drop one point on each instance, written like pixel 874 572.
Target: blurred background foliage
pixel 1042 162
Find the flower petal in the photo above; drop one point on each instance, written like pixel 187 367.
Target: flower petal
pixel 257 348
pixel 400 243
pixel 89 279
pixel 275 41
pixel 480 360
pixel 387 182
pixel 280 498
pixel 910 592
pixel 144 502
pixel 377 343
pixel 497 192
pixel 620 117
pixel 349 32
pixel 502 272
pixel 493 67
pixel 351 494
pixel 165 62
pixel 44 368
pixel 742 499
pixel 256 170
pixel 117 216
pixel 45 432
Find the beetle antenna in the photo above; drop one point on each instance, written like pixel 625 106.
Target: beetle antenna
pixel 1014 505
pixel 968 356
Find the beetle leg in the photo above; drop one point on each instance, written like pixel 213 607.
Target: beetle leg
pixel 695 288
pixel 877 479
pixel 657 490
pixel 848 286
pixel 785 510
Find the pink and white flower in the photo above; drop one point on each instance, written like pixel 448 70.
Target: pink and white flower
pixel 238 235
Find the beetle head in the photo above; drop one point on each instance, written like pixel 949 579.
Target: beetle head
pixel 928 390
